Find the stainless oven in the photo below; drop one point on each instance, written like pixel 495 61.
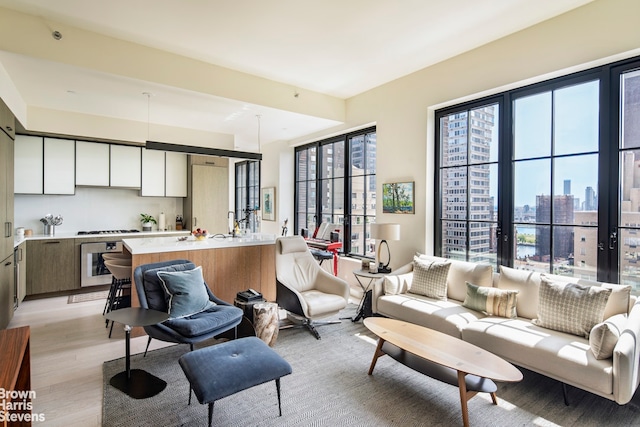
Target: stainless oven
pixel 93 271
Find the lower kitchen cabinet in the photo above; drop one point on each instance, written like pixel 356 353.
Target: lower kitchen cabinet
pixel 21 271
pixel 6 291
pixel 51 267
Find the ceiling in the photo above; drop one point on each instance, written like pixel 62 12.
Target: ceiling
pixel 334 47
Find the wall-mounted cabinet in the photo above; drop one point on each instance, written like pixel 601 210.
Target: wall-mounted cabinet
pixel 59 166
pixel 92 164
pixel 29 171
pixel 164 174
pixel 126 166
pixel 6 195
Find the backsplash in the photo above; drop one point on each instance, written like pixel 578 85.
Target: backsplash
pixel 94 209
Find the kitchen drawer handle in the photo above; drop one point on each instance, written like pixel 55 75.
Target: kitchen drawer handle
pixel 8 263
pixel 52 242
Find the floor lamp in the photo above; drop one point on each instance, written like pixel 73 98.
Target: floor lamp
pixel 384 232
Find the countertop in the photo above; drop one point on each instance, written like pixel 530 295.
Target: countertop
pixel 150 245
pixel 116 236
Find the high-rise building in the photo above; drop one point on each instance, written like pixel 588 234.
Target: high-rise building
pixel 567 187
pixel 562 236
pixel 590 199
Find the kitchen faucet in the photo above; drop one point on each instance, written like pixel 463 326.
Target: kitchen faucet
pixel 232 231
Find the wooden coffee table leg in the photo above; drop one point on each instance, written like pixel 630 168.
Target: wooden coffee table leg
pixel 494 397
pixel 377 354
pixel 462 386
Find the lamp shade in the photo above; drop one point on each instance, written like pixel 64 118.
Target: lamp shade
pixel 385 231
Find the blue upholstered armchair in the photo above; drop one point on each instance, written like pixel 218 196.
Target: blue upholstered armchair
pixel 212 321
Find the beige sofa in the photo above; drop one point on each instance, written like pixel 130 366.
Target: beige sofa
pixel 566 357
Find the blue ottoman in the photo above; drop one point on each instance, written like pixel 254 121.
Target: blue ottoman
pixel 225 369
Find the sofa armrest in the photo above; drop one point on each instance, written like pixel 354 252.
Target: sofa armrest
pixel 626 359
pixel 377 289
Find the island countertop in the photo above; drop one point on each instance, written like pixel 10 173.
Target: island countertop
pixel 152 245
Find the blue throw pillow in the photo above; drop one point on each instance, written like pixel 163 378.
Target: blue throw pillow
pixel 186 292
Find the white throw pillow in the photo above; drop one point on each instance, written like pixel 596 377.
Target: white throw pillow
pixel 604 336
pixel 570 307
pixel 430 278
pixel 397 284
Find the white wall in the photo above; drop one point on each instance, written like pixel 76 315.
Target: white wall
pixel 94 209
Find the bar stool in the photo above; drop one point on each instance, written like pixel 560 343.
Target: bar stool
pixel 121 271
pixel 118 257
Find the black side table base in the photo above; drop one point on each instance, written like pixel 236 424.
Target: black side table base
pixel 140 385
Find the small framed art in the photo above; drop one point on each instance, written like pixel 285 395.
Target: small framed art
pixel 398 198
pixel 269 204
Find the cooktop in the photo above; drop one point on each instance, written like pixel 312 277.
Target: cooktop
pixel 82 233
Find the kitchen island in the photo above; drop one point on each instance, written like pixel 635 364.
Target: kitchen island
pixel 229 264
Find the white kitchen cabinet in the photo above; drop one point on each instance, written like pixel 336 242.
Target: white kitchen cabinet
pixel 153 173
pixel 126 166
pixel 92 164
pixel 176 174
pixel 59 166
pixel 28 162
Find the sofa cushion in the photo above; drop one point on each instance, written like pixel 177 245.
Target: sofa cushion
pixel 430 278
pixel 604 336
pixel 558 355
pixel 527 283
pixel 397 284
pixel 461 272
pixel 186 292
pixel 570 307
pixel 493 301
pixel 444 316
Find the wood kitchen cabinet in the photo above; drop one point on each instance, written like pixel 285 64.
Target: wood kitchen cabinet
pixel 125 168
pixel 6 190
pixel 92 164
pixel 7 120
pixel 207 204
pixel 52 266
pixel 6 291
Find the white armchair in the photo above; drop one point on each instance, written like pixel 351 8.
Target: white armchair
pixel 303 287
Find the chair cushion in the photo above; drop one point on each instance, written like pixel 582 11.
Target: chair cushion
pixel 570 307
pixel 493 301
pixel 293 244
pixel 186 292
pixel 204 323
pixel 153 289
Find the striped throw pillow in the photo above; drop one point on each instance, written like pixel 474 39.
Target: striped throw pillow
pixel 493 301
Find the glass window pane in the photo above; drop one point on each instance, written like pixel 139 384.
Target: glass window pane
pixel 533 247
pixel 630 109
pixel 454 240
pixel 483 243
pixel 483 136
pixel 532 186
pixel 453 139
pixel 454 193
pixel 630 259
pixel 358 195
pixel 370 153
pixel 576 118
pixel 573 177
pixel 532 126
pixel 630 188
pixel 585 252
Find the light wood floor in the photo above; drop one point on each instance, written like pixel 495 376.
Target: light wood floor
pixel 69 343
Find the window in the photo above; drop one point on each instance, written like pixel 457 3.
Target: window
pixel 335 182
pixel 247 193
pixel 545 177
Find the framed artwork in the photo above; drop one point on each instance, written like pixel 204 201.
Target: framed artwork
pixel 269 204
pixel 398 198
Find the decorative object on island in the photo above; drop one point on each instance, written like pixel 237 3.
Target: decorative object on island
pixel 269 204
pixel 146 221
pixel 200 233
pixel 398 198
pixel 384 232
pixel 179 223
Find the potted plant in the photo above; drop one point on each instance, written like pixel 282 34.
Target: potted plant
pixel 147 221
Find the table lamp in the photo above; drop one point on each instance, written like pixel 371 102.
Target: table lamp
pixel 385 232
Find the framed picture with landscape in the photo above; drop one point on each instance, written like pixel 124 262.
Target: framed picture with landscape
pixel 269 204
pixel 398 198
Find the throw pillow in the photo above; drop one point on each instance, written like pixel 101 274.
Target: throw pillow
pixel 493 301
pixel 430 278
pixel 570 307
pixel 186 292
pixel 604 336
pixel 461 272
pixel 397 284
pixel 528 285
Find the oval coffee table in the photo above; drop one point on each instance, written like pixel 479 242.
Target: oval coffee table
pixel 442 357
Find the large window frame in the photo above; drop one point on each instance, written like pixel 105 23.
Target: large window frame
pixel 607 231
pixel 335 182
pixel 247 193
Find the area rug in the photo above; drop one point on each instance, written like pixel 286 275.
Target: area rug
pixel 90 296
pixel 329 386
